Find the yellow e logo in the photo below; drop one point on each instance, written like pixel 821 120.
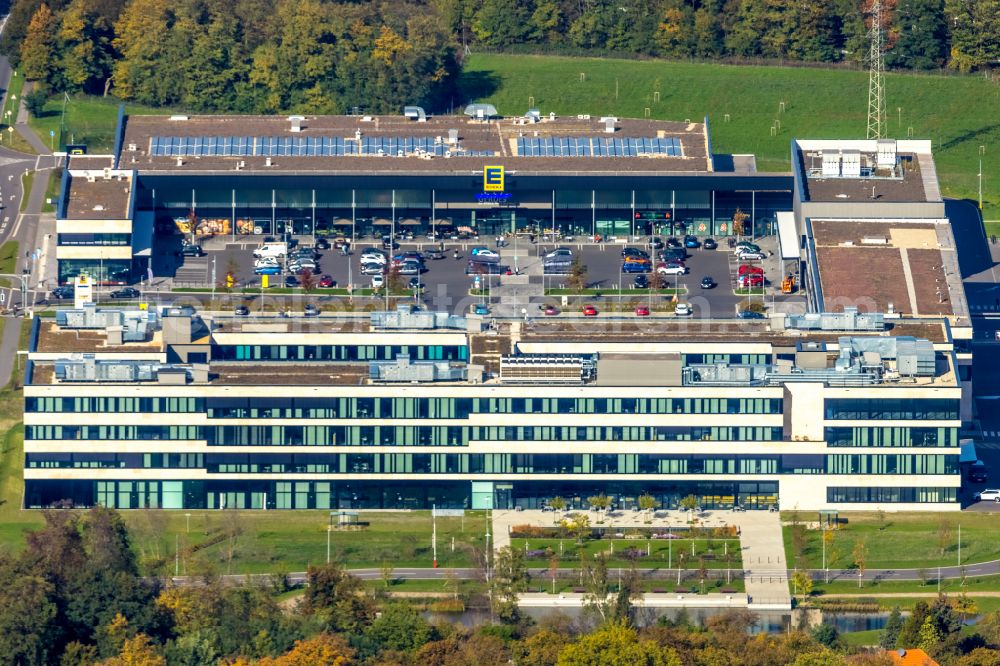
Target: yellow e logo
pixel 493 179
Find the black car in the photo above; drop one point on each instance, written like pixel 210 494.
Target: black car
pixel 291 281
pixel 656 242
pixel 707 282
pixel 192 250
pixel 241 311
pixel 709 244
pixel 415 284
pixel 125 292
pixel 640 282
pixel 750 314
pixel 322 244
pixel 977 472
pixel 66 291
pixel 673 242
pixel 634 252
pixel 388 243
pixel 311 310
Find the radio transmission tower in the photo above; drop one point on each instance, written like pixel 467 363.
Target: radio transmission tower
pixel 876 68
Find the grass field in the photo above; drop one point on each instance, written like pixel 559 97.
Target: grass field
pixel 957 113
pixel 949 586
pixel 906 540
pixel 89 120
pixel 661 553
pixel 12 101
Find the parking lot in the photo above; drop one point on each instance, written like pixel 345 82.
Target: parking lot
pixel 448 284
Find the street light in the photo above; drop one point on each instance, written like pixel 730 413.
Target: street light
pixel 187 518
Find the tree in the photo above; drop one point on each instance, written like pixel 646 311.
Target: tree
pixel 944 534
pixel 689 503
pixel 319 650
pixel 965 606
pixel 921 35
pixel 39 45
pixel 307 280
pixel 29 623
pixel 975 28
pixel 541 648
pixel 510 578
pixel 576 279
pixel 616 645
pixel 989 628
pixel 803 583
pixel 83 44
pixel 35 101
pixel 503 22
pixel 557 503
pixel 980 657
pixel 860 557
pixel 910 635
pixel 577 524
pixel 600 502
pixel 648 503
pixel 151 51
pixel 335 598
pixel 394 280
pixel 891 630
pixel 930 634
pixel 137 651
pixel 399 627
pixel 385 572
pixel 826 634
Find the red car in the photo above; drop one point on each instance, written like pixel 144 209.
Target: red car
pixel 589 311
pixel 327 282
pixel 550 310
pixel 641 311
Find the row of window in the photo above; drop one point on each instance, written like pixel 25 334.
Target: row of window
pixel 115 405
pixel 398 435
pixel 95 239
pixel 115 460
pixel 885 409
pixel 403 408
pixel 890 495
pixel 891 437
pixel 141 494
pixel 339 352
pixel 505 463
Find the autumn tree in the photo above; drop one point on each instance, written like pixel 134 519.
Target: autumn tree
pixel 335 598
pixel 319 650
pixel 975 33
pixel 137 651
pixel 921 35
pixel 84 45
pixel 39 46
pixel 509 578
pixel 616 645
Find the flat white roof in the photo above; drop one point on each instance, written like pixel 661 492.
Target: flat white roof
pixel 788 235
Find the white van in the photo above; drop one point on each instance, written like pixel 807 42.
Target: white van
pixel 276 250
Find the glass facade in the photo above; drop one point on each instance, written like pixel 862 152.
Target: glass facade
pixel 891 437
pixel 95 239
pixel 338 352
pixel 889 409
pixel 107 271
pixel 889 495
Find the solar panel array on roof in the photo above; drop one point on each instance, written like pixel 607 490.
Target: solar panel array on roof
pixel 597 146
pixel 279 146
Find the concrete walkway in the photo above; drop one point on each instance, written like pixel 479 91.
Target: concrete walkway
pixel 765 575
pixel 576 600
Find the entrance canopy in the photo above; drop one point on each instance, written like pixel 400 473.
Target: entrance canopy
pixel 788 235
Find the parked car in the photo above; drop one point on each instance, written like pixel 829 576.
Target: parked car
pixel 589 311
pixel 558 253
pixel 636 259
pixel 745 245
pixel 480 309
pixel 988 496
pixel 749 255
pixel 709 244
pixel 672 269
pixel 372 269
pixel 125 292
pixel 550 310
pixel 377 281
pixel 673 254
pixel 410 268
pixel 65 291
pixel 707 282
pixel 636 267
pixel 327 282
pixel 656 242
pixel 267 269
pixel 435 254
pixel 484 255
pixel 300 265
pixel 192 250
pixel 691 242
pixel 322 244
pixel 640 282
pixel 641 311
pixel 683 310
pixel 388 243
pixel 266 261
pixel 750 314
pixel 291 281
pixel 304 252
pixel 415 283
pixel 673 242
pixel 276 250
pixel 241 311
pixel 373 256
pixel 634 252
pixel 311 310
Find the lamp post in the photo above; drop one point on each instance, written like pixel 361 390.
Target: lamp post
pixel 187 519
pixel 434 534
pixel 329 529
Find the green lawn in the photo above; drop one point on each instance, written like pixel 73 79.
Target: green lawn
pixel 958 113
pixel 12 101
pixel 13 521
pixel 661 552
pixel 27 182
pixel 948 586
pixel 907 540
pixel 53 184
pixel 89 120
pixel 862 638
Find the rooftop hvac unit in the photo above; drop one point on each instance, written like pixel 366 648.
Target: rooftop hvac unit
pixel 915 358
pixel 296 122
pixel 178 117
pixel 481 111
pixel 415 113
pixel 831 163
pixel 885 153
pixel 851 164
pixel 452 137
pixel 534 115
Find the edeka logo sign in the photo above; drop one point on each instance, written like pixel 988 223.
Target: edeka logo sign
pixel 493 179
